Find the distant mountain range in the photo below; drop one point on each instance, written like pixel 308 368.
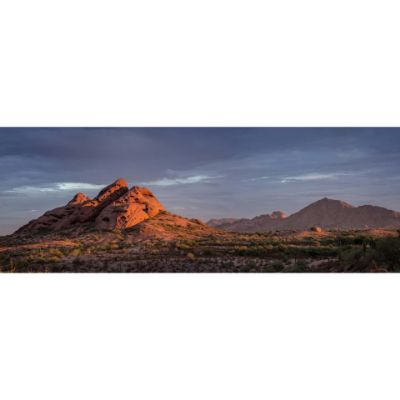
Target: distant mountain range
pixel 325 213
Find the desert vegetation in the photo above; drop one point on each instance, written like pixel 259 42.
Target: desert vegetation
pixel 287 252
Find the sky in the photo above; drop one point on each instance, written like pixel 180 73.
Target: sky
pixel 199 172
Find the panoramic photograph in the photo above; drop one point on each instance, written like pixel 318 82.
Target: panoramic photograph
pixel 243 200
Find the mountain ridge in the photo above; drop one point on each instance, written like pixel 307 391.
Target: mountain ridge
pixel 325 213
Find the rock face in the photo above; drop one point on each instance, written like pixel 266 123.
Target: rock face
pixel 130 209
pixel 115 207
pixel 325 214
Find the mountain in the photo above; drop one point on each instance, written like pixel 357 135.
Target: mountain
pixel 325 213
pixel 256 224
pixel 116 208
pixel 217 222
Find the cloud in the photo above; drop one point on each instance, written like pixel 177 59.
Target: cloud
pixel 30 190
pixel 78 186
pixel 55 187
pixel 181 181
pixel 312 177
pixel 260 178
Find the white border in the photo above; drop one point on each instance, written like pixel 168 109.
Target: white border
pixel 208 63
pixel 199 336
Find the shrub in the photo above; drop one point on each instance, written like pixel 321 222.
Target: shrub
pixel 274 267
pixel 78 261
pixel 388 251
pixel 53 260
pixel 74 252
pixel 300 266
pixel 379 252
pixel 351 254
pixel 208 252
pixel 344 240
pixel 182 246
pixel 56 253
pixel 245 268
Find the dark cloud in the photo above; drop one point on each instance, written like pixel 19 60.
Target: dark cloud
pixel 201 172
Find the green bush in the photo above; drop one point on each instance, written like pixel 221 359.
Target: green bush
pixel 388 251
pixel 274 267
pixel 382 253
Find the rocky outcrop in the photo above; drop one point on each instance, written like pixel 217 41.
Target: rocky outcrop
pixel 278 215
pixel 113 191
pixel 79 198
pixel 115 207
pixel 135 206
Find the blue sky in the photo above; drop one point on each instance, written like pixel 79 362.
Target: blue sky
pixel 199 172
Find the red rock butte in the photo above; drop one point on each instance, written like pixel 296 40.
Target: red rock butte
pixel 115 207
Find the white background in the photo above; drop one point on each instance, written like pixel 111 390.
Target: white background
pixel 199 63
pixel 208 62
